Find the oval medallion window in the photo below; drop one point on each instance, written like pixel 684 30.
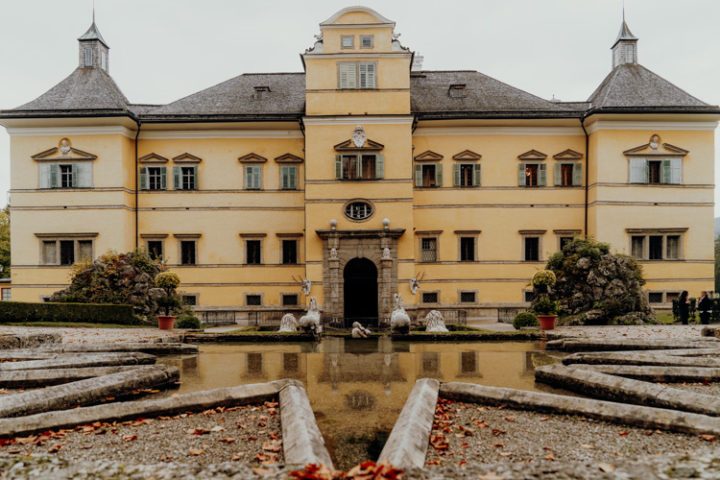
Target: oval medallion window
pixel 358 210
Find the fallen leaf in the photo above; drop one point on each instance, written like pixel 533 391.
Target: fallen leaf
pixel 194 452
pixel 217 428
pixel 129 438
pixel 497 432
pixel 606 467
pixel 550 457
pixel 624 433
pixel 708 438
pixel 272 446
pixel 55 448
pixel 228 440
pixel 198 431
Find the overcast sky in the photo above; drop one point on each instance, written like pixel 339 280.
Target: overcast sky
pixel 162 50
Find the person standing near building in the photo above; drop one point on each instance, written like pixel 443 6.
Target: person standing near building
pixel 684 307
pixel 704 305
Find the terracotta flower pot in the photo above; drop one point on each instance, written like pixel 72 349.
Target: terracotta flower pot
pixel 166 322
pixel 547 322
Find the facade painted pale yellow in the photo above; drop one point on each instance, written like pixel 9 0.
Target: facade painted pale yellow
pixel 398 125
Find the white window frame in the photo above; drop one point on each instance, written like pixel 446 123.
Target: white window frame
pixel 6 294
pixel 367 37
pixel 357 75
pixel 419 177
pixel 76 250
pixel 646 246
pixel 541 174
pixel 476 174
pixel 288 177
pixel 50 175
pixel 180 175
pixel 671 170
pixel 576 174
pixel 343 38
pixel 253 174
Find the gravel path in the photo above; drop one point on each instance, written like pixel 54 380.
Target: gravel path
pixel 249 434
pixel 645 332
pixel 472 433
pixel 99 335
pixel 707 389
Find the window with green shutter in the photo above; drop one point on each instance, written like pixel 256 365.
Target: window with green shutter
pixel 253 177
pixel 185 178
pixel 288 177
pixel 532 175
pixel 428 175
pixel 466 175
pixel 153 178
pixel 359 166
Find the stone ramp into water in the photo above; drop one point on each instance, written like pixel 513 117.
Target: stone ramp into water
pixel 57 376
pixel 81 361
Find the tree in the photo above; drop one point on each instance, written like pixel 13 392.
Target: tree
pixel 597 287
pixel 5 242
pixel 120 278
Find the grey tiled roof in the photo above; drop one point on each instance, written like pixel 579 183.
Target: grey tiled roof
pixel 93 34
pixel 86 89
pixel 634 87
pixel 238 97
pixel 482 95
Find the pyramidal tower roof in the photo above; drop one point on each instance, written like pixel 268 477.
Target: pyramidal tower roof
pixel 93 34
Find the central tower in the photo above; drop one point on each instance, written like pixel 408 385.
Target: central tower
pixel 358 133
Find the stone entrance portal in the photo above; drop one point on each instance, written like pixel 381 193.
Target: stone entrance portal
pixel 360 292
pixel 345 278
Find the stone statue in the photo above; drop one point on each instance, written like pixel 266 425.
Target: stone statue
pixel 434 322
pixel 415 283
pixel 358 331
pixel 333 253
pixel 386 254
pixel 399 319
pixel 288 323
pixel 310 322
pixel 306 286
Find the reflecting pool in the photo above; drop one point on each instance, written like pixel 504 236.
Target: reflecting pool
pixel 358 387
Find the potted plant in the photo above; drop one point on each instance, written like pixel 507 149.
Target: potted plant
pixel 546 311
pixel 169 300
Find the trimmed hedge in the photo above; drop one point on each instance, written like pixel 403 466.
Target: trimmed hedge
pixel 67 312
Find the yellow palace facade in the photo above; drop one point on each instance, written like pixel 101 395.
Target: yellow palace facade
pixel 361 177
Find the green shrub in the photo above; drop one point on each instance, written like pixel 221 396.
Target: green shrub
pixel 187 320
pixel 67 312
pixel 525 319
pixel 542 305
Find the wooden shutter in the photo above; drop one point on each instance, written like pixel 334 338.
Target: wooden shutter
pixel 665 172
pixel 196 178
pixel 163 178
pixel 542 175
pixel 292 177
pixel 84 175
pixel 577 174
pixel 177 178
pixel 557 174
pixel 476 175
pixel 676 170
pixel 379 166
pixel 44 175
pixel 638 170
pixel 144 178
pixel 54 176
pixel 521 174
pixel 338 167
pixel 74 175
pixel 347 73
pixel 258 177
pixel 367 75
pixel 418 175
pixel 438 174
pixel 457 181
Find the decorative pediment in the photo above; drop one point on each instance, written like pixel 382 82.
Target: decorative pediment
pixel 153 158
pixel 656 147
pixel 64 151
pixel 467 156
pixel 288 158
pixel 428 156
pixel 252 158
pixel 568 154
pixel 532 155
pixel 350 145
pixel 187 158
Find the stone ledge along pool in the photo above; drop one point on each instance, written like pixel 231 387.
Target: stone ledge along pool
pixel 357 388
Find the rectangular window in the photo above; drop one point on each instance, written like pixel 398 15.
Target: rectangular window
pixel 467 175
pixel 190 300
pixel 467 249
pixel 564 241
pixel 347 41
pixel 253 300
pixel 428 175
pixel 253 177
pixel 85 250
pixel 67 252
pixel 638 246
pixel 49 252
pixel 188 252
pixel 670 296
pixel 656 171
pixel 655 250
pixel 528 296
pixel 430 297
pixel 289 300
pixel 655 297
pixel 353 75
pixel 532 249
pixel 289 252
pixel 366 41
pixel 428 247
pixel 6 295
pixel 153 178
pixel 185 178
pixel 359 167
pixel 673 247
pixel 654 168
pixel 253 252
pixel 468 297
pixel 87 57
pixel 532 175
pixel 288 177
pixel 66 176
pixel 155 249
pixel 568 174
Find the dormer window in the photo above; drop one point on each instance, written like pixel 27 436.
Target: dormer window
pixel 347 41
pixel 261 90
pixel 457 90
pixel 366 41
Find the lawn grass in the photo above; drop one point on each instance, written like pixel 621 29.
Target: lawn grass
pixel 71 325
pixel 665 318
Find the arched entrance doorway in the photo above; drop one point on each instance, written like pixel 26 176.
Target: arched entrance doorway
pixel 361 292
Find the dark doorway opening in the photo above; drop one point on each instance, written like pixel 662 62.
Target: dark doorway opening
pixel 361 292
